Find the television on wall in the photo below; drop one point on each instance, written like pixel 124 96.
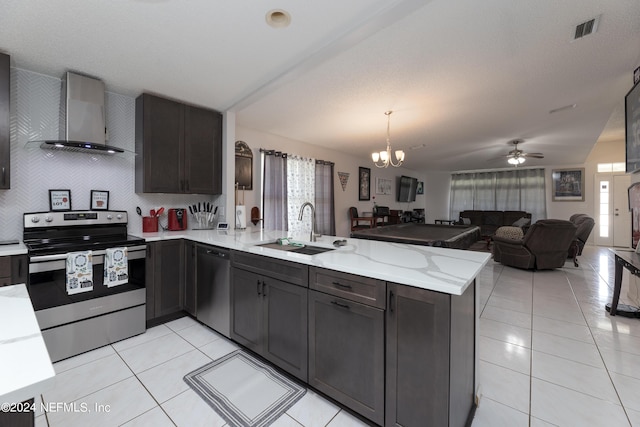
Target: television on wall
pixel 407 189
pixel 632 129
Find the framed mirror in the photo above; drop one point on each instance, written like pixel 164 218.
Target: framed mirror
pixel 244 166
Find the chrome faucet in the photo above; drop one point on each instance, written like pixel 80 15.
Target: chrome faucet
pixel 312 237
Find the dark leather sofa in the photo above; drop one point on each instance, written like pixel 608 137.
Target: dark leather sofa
pixel 545 246
pixel 584 224
pixel 490 221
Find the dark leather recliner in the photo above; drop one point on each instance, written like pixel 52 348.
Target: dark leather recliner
pixel 544 246
pixel 584 224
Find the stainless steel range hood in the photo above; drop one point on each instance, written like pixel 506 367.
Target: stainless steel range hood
pixel 82 117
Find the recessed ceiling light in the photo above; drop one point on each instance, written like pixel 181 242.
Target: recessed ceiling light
pixel 278 18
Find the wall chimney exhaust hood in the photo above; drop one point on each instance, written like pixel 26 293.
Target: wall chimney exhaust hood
pixel 82 117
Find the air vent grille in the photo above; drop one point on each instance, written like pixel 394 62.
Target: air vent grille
pixel 586 28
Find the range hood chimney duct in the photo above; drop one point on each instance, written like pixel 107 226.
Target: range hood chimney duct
pixel 82 117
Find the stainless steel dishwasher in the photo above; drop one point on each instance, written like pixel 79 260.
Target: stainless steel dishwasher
pixel 213 267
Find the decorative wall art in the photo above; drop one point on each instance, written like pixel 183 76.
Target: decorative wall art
pixel 344 178
pixel 99 200
pixel 420 188
pixel 60 200
pixel 568 185
pixel 364 183
pixel 244 166
pixel 383 186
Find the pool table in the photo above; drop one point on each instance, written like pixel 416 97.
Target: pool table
pixel 444 236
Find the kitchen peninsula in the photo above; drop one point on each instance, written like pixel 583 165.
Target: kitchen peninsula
pixel 389 330
pixel 25 367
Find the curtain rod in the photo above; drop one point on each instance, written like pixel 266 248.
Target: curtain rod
pixel 497 170
pixel 276 152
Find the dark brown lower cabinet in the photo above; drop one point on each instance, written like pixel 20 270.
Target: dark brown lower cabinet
pixel 164 278
pixel 269 316
pixel 346 353
pixel 13 269
pixel 19 419
pixel 190 278
pixel 430 354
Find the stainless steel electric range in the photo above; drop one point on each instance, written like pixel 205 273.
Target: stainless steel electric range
pixel 75 318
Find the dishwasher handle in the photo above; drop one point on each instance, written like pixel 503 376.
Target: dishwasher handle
pixel 218 253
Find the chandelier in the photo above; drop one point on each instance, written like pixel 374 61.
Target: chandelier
pixel 385 156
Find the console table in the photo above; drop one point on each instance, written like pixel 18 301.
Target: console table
pixel 631 261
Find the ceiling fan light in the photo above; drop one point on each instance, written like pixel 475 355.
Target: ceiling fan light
pixel 520 160
pixel 512 161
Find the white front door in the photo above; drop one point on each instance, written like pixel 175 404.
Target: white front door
pixel 621 215
pixel 613 220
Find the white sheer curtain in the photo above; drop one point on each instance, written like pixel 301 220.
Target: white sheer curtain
pixel 516 190
pixel 274 190
pixel 324 199
pixel 300 189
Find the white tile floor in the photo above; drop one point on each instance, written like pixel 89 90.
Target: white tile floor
pixel 549 355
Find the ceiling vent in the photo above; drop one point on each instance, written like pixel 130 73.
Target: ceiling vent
pixel 586 28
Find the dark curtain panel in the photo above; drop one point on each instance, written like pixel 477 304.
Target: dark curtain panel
pixel 274 196
pixel 324 199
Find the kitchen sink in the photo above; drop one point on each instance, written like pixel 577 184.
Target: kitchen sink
pixel 305 250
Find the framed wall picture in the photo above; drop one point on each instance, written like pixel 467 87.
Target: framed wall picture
pixel 383 186
pixel 59 200
pixel 568 185
pixel 420 188
pixel 364 183
pixel 99 200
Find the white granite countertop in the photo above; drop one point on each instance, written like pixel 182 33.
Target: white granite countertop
pixel 17 249
pixel 25 366
pixel 438 269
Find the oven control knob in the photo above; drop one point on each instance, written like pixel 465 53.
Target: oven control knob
pixel 35 219
pixel 48 218
pixel 109 216
pixel 119 216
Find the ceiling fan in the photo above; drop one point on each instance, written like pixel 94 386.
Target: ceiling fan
pixel 517 156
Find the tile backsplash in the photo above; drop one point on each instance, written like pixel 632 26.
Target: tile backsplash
pixel 35 110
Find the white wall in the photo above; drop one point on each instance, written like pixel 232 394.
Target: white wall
pixel 343 163
pixel 35 109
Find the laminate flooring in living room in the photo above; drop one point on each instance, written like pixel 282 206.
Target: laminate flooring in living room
pixel 549 355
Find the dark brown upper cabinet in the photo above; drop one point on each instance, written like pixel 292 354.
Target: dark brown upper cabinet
pixel 5 143
pixel 178 147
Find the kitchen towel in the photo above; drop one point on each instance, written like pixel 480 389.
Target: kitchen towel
pixel 116 268
pixel 79 272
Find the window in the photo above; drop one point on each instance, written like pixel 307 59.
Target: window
pixel 517 190
pixel 290 181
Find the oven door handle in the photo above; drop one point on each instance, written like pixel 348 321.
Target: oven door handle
pixel 133 252
pixel 44 263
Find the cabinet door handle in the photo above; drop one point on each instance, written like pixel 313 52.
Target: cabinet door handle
pixel 391 300
pixel 258 287
pixel 341 285
pixel 4 175
pixel 339 304
pixel 264 290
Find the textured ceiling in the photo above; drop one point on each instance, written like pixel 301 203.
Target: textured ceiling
pixel 462 77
